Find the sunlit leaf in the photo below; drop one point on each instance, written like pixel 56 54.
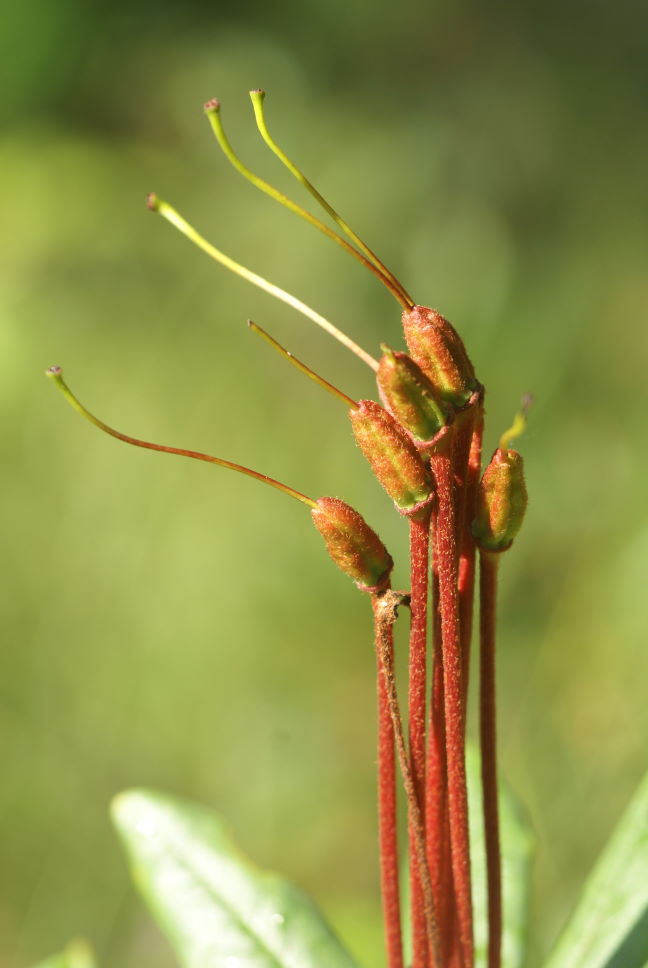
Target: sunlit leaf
pixel 218 910
pixel 609 928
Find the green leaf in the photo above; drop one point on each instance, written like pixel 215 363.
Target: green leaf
pixel 609 928
pixel 77 954
pixel 218 910
pixel 517 845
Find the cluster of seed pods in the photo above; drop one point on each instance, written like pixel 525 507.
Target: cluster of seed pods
pixel 423 443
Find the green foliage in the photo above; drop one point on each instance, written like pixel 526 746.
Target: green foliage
pixel 609 928
pixel 217 909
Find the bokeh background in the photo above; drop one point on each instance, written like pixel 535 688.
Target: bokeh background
pixel 168 624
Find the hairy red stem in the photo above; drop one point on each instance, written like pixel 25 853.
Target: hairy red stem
pixel 454 705
pixel 387 817
pixel 419 563
pixel 467 546
pixel 488 567
pixel 436 787
pixel 385 606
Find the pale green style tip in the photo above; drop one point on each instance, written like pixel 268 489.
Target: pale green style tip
pixel 212 110
pixel 258 97
pixel 56 373
pixel 519 424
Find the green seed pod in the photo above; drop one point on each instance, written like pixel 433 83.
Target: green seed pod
pixel 393 457
pixel 409 396
pixel 351 543
pixel 439 351
pixel 501 501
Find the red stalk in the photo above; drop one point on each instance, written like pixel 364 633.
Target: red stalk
pixel 385 606
pixel 488 567
pixel 454 705
pixel 436 788
pixel 419 562
pixel 467 548
pixel 387 822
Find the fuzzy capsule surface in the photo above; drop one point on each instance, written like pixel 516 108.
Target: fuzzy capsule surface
pixel 501 501
pixel 354 547
pixel 436 346
pixel 409 396
pixel 392 455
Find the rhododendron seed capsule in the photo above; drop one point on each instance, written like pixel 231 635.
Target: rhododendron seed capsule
pixel 354 547
pixel 501 501
pixel 439 351
pixel 409 395
pixel 393 456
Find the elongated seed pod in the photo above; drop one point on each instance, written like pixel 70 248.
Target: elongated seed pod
pixel 392 455
pixel 409 396
pixel 438 349
pixel 501 501
pixel 354 547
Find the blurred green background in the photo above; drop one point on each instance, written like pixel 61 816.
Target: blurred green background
pixel 168 624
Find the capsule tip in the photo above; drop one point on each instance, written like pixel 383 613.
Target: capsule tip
pixel 212 105
pixel 54 371
pixel 257 92
pixel 152 202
